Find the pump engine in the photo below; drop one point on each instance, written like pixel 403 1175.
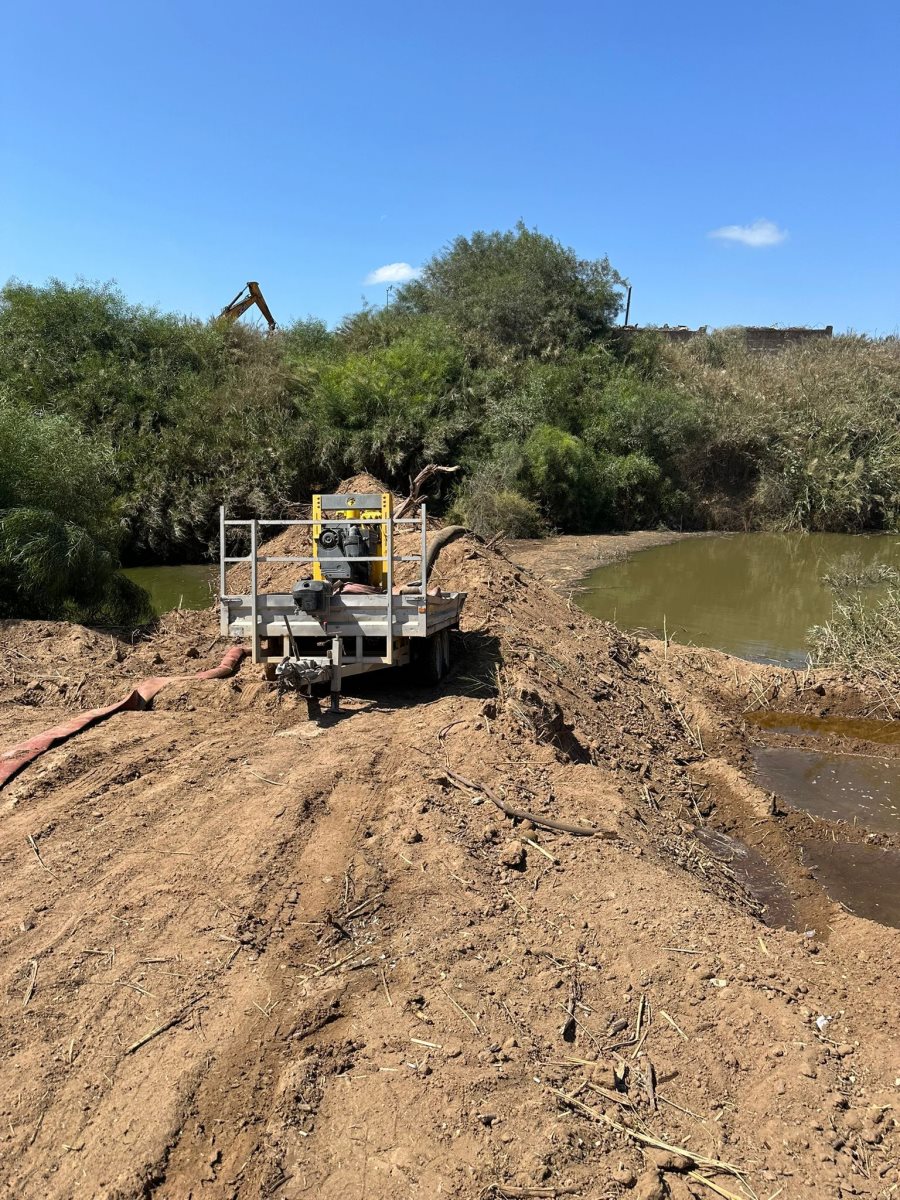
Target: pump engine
pixel 337 548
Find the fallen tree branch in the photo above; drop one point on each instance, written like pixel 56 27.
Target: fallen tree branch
pixel 520 814
pixel 417 485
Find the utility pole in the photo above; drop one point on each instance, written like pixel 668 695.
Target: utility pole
pixel 387 299
pixel 628 305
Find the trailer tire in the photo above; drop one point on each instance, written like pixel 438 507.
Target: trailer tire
pixel 433 658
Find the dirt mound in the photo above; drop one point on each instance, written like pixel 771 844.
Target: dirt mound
pixel 248 954
pixel 364 482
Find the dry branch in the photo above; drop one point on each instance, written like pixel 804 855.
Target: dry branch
pixel 30 991
pixel 520 814
pixel 417 485
pixel 176 1020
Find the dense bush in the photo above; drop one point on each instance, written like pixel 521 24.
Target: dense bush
pixel 863 636
pixel 519 290
pixel 58 531
pixel 502 358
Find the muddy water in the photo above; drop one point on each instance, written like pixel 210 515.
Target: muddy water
pixel 176 587
pixel 864 878
pixel 857 788
pixel 885 733
pixel 754 594
pixel 861 789
pixel 754 874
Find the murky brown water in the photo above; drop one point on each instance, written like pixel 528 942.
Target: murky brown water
pixel 855 788
pixel 186 586
pixel 885 733
pixel 860 789
pixel 751 594
pixel 864 878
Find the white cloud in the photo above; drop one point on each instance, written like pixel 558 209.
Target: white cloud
pixel 759 233
pixel 392 273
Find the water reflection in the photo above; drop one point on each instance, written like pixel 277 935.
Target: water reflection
pixel 856 788
pixel 187 586
pixel 754 594
pixel 864 878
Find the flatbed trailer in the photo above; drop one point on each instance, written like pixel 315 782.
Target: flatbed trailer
pixel 351 631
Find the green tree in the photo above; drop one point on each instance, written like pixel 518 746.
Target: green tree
pixel 562 472
pixel 392 408
pixel 520 291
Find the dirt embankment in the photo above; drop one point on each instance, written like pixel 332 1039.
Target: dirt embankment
pixel 245 954
pixel 566 558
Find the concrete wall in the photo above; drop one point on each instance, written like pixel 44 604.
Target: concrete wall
pixel 766 337
pixel 758 337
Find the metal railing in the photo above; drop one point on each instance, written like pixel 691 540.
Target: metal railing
pixel 254 558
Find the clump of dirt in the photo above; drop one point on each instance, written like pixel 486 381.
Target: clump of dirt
pixel 247 953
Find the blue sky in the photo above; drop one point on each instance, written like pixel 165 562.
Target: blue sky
pixel 183 148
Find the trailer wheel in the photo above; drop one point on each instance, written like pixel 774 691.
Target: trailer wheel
pixel 433 658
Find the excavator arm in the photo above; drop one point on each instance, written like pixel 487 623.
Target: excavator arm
pixel 246 298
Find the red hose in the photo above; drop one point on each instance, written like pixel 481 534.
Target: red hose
pixel 12 761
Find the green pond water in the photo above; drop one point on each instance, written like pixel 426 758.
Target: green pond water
pixel 176 587
pixel 751 594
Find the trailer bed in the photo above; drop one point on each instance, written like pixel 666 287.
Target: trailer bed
pixel 411 616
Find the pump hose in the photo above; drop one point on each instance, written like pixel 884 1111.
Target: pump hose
pixel 16 758
pixel 448 534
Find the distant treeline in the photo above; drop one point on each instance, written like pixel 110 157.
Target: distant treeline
pixel 123 429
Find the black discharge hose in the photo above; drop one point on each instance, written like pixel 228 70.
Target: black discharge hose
pixel 448 534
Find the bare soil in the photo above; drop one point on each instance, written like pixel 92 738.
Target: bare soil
pixel 247 954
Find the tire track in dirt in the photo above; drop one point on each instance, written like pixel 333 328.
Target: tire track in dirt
pixel 120 944
pixel 280 1064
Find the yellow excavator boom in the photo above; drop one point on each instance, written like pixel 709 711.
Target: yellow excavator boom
pixel 248 296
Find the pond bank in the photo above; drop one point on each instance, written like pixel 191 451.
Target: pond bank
pixel 837 794
pixel 563 560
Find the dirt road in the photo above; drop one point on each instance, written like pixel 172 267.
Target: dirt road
pixel 247 954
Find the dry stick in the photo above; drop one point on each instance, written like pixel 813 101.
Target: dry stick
pixel 37 854
pixel 519 814
pixel 583 1028
pixel 30 992
pixel 641 1028
pixel 177 1019
pixel 387 992
pixel 673 1023
pixel 340 962
pixel 362 904
pixel 459 1008
pixel 646 1138
pixel 716 1187
pixel 541 850
pixel 134 986
pixel 257 775
pixel 613 1097
pixel 510 1191
pixel 515 901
